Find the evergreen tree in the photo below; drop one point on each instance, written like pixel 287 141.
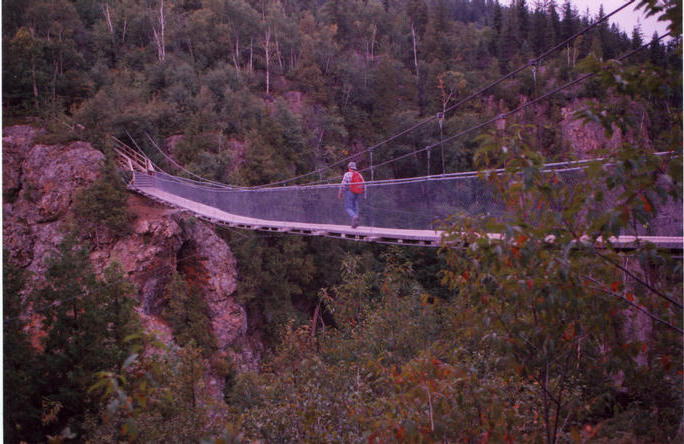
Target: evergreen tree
pixel 637 39
pixel 522 15
pixel 656 51
pixel 104 203
pixel 12 17
pixel 275 273
pixel 26 71
pixel 507 45
pixel 340 13
pixel 497 19
pixel 417 12
pixel 569 23
pixel 21 400
pixel 540 31
pixel 85 321
pixel 553 33
pixel 497 24
pixel 604 36
pixel 187 313
pixel 437 36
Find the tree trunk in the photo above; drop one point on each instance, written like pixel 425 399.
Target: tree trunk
pixel 372 43
pixel 236 54
pixel 54 81
pixel 108 18
pixel 162 25
pixel 159 38
pixel 267 50
pixel 251 55
pixel 314 321
pixel 415 51
pixel 279 56
pixel 35 86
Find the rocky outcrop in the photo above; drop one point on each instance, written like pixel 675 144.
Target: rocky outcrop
pixel 17 141
pixel 586 137
pixel 38 193
pixel 167 240
pixel 40 182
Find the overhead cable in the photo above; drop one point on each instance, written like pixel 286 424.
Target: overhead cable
pixel 509 113
pixel 532 62
pixel 179 166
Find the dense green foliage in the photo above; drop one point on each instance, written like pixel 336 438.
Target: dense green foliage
pixel 103 204
pixel 226 71
pixel 539 336
pixel 84 320
pixel 186 311
pixel 157 395
pixel 22 409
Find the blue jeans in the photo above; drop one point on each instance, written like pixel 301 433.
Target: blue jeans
pixel 351 204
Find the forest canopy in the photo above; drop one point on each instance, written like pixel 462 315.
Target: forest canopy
pixel 228 73
pixel 514 339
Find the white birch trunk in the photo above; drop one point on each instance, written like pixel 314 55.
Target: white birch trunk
pixel 159 38
pixel 279 56
pixel 162 25
pixel 267 50
pixel 236 54
pixel 108 18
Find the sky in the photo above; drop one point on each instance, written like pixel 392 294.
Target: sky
pixel 625 19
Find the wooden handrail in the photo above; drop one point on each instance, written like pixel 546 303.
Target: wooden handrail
pixel 130 158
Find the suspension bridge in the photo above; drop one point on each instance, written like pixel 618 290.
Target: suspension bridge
pixel 403 212
pixel 398 211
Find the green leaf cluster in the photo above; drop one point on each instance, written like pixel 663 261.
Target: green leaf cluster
pixel 104 203
pixel 78 326
pixel 158 395
pixel 187 312
pixel 262 91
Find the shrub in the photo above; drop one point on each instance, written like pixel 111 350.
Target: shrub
pixel 103 204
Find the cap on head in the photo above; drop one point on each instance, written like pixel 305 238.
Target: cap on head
pixel 352 165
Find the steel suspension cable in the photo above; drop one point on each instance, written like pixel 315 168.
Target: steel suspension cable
pixel 177 165
pixel 519 108
pixel 532 62
pixel 557 167
pixel 464 132
pixel 140 150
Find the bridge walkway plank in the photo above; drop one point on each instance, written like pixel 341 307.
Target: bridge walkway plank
pixel 360 233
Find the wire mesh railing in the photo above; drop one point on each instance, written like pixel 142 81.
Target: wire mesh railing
pixel 406 204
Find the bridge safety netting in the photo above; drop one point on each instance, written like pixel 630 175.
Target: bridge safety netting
pixel 411 204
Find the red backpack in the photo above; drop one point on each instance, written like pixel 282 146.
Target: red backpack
pixel 356 186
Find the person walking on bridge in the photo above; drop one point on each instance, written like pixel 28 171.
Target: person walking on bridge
pixel 352 186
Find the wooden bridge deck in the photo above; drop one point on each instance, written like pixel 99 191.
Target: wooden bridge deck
pixel 428 238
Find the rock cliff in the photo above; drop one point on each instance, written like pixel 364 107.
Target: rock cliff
pixel 587 137
pixel 39 185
